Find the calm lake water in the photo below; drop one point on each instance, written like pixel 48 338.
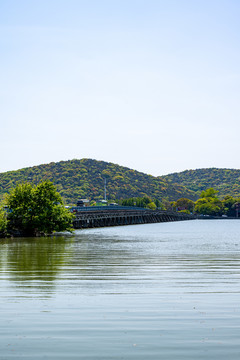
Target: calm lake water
pixel 156 291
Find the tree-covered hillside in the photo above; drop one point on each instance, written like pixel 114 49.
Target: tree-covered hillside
pixel 84 178
pixel 226 181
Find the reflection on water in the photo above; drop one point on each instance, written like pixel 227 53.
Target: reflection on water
pixel 151 291
pixel 34 261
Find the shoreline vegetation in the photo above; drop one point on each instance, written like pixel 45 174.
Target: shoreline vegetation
pixel 33 210
pixel 38 210
pixel 208 204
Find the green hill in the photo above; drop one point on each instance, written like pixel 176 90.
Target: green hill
pixel 84 178
pixel 226 181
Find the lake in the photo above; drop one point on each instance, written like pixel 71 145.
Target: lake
pixel 154 291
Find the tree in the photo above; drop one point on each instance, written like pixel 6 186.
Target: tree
pixel 37 210
pixel 209 204
pixel 173 206
pixel 158 204
pixel 185 204
pixel 230 205
pixel 20 204
pixel 151 206
pixel 209 193
pixel 3 222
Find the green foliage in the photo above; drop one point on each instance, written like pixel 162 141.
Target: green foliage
pixel 185 211
pixel 230 205
pixel 151 205
pixel 172 206
pixel 84 178
pixel 37 209
pixel 225 181
pixel 184 204
pixel 157 203
pixel 209 204
pixel 3 222
pixel 144 202
pixel 209 193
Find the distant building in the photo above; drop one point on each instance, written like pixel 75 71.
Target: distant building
pixel 83 202
pixel 101 202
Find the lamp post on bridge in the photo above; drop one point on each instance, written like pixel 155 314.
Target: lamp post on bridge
pixel 105 186
pixel 105 189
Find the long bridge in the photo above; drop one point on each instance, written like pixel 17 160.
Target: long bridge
pixel 102 216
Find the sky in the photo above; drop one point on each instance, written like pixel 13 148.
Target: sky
pixel 153 85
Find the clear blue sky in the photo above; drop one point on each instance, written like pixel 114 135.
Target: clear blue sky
pixel 152 85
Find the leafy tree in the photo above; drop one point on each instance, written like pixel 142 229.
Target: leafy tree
pixel 209 193
pixel 3 222
pixel 185 204
pixel 151 205
pixel 140 202
pixel 37 209
pixel 20 203
pixel 230 205
pixel 128 202
pixel 172 206
pixel 209 204
pixel 158 204
pixel 143 202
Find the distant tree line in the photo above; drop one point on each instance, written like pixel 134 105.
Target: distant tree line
pixel 207 204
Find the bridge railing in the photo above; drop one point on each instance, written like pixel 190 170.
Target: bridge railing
pixel 77 210
pixel 105 208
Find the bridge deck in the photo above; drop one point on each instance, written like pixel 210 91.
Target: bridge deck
pixel 86 218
